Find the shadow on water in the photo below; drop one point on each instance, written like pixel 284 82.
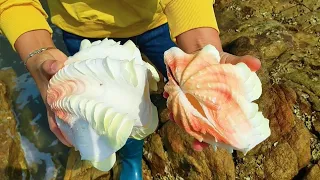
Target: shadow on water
pixel 46 156
pixel 15 173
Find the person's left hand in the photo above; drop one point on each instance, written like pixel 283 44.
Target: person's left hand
pixel 253 63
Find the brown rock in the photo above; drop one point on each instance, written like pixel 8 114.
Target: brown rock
pixel 283 5
pixel 299 141
pixel 164 115
pixel 189 164
pixel 276 104
pixel 315 147
pixel 220 163
pixel 282 163
pixel 313 173
pixel 82 170
pixel 311 4
pixel 286 39
pixel 12 161
pixel 156 156
pixel 250 166
pixel 146 171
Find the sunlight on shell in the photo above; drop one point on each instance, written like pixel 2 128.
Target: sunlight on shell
pixel 213 102
pixel 101 98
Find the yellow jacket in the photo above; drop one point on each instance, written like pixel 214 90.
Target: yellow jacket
pixel 105 18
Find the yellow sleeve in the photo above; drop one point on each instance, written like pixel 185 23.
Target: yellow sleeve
pixel 18 17
pixel 184 15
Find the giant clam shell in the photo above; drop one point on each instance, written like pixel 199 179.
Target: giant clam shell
pixel 213 102
pixel 101 98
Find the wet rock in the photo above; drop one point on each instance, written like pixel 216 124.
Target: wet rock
pixel 277 104
pixel 82 170
pixel 299 140
pixel 282 163
pixel 45 156
pixel 12 161
pixel 220 164
pixel 311 4
pixel 189 164
pixel 285 36
pixel 250 166
pixel 156 156
pixel 314 172
pixel 146 171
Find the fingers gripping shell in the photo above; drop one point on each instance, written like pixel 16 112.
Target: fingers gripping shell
pixel 101 98
pixel 213 101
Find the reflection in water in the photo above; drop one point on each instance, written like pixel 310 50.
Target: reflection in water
pixel 34 157
pixel 27 90
pixel 46 156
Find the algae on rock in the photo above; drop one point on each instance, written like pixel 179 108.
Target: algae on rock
pixel 13 164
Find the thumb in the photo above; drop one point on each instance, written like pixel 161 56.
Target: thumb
pixel 51 67
pixel 199 146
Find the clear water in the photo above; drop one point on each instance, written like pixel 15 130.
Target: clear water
pixel 46 156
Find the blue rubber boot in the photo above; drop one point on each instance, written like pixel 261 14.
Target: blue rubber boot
pixel 130 157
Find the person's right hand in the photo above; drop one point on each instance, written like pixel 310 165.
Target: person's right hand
pixel 42 67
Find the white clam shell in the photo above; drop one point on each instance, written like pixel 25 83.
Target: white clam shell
pixel 101 98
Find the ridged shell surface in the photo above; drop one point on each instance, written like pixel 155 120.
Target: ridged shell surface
pixel 213 102
pixel 101 98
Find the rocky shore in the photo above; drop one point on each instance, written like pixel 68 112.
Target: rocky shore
pixel 285 36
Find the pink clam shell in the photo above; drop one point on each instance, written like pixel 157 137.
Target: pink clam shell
pixel 213 102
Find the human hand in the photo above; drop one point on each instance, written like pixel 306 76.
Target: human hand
pixel 42 67
pixel 253 63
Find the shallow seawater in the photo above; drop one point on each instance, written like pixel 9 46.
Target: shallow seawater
pixel 45 155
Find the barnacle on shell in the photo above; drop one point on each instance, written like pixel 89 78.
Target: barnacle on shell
pixel 101 98
pixel 213 102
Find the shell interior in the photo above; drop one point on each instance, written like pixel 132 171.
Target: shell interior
pixel 101 98
pixel 213 102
